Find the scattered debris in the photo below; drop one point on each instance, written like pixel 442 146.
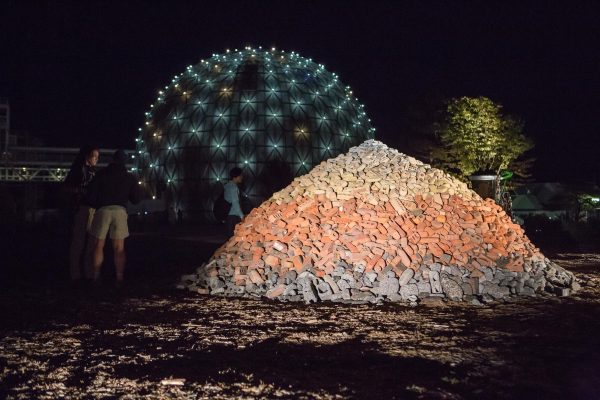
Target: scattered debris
pixel 173 382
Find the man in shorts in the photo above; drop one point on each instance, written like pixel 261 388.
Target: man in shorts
pixel 109 193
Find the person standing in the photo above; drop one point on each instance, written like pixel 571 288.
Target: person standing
pixel 232 196
pixel 109 192
pixel 76 183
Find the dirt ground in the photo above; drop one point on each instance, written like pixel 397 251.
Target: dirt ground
pixel 152 341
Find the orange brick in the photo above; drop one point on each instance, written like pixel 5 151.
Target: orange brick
pixel 435 249
pixel 298 262
pixel 271 261
pixel 257 253
pixel 351 247
pixel 429 239
pixel 403 257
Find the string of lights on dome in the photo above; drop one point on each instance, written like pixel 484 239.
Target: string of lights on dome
pixel 247 107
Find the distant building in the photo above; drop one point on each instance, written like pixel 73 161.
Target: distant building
pixel 556 200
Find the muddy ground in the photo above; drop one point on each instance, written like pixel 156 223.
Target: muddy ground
pixel 153 341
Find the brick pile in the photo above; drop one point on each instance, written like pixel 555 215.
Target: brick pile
pixel 374 224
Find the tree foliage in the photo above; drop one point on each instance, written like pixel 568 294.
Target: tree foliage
pixel 476 137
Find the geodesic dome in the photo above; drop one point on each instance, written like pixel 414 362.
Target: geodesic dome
pixel 273 114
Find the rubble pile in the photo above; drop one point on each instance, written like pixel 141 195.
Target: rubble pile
pixel 374 224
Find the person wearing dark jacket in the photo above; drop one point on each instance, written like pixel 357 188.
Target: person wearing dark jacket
pixel 109 193
pixel 81 213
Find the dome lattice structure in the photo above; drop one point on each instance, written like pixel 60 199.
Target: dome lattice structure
pixel 274 114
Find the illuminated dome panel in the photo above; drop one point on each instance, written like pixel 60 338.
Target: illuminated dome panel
pixel 274 114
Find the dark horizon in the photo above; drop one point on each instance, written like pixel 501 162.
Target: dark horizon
pixel 77 73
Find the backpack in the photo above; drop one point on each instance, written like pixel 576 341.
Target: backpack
pixel 221 207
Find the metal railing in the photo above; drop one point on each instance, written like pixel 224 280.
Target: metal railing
pixel 45 164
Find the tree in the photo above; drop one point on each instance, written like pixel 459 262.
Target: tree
pixel 476 137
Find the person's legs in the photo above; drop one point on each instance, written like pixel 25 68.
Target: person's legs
pixel 77 242
pixel 88 268
pixel 231 222
pixel 88 257
pixel 97 235
pixel 119 230
pixel 119 258
pixel 98 256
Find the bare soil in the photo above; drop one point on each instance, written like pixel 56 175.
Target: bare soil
pixel 152 341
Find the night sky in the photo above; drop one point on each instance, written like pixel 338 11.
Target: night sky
pixel 87 71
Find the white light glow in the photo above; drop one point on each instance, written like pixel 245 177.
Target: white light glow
pixel 293 116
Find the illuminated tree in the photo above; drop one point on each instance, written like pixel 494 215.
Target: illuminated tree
pixel 476 138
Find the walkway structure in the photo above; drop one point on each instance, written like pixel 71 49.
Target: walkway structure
pixel 45 164
pixel 38 164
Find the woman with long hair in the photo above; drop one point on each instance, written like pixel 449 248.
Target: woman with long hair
pixel 76 183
